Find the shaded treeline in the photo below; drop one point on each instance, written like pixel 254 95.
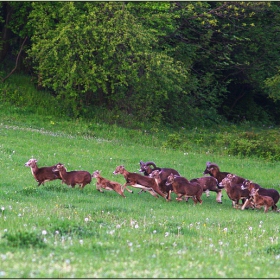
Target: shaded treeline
pixel 179 63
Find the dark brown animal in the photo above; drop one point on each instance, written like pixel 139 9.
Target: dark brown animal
pixel 146 168
pixel 209 183
pixel 233 189
pixel 102 183
pixel 213 170
pixel 183 188
pixel 262 201
pixel 73 178
pixel 139 181
pixel 250 186
pixel 42 174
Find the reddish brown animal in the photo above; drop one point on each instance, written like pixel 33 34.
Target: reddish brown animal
pixel 139 181
pixel 42 174
pixel 250 186
pixel 156 175
pixel 262 201
pixel 213 170
pixel 233 189
pixel 146 168
pixel 183 188
pixel 209 184
pixel 73 178
pixel 102 183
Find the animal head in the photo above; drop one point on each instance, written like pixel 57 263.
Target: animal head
pixel 119 170
pixel 210 168
pixel 224 182
pixel 254 192
pixel 247 185
pixel 146 166
pixel 59 167
pixel 155 174
pixel 170 179
pixel 96 174
pixel 230 176
pixel 31 163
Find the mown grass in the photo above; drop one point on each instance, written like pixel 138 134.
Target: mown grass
pixel 59 232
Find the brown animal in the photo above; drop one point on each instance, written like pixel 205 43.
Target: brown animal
pixel 146 168
pixel 233 189
pixel 73 178
pixel 156 175
pixel 102 183
pixel 262 201
pixel 42 174
pixel 139 181
pixel 209 184
pixel 250 186
pixel 213 170
pixel 183 188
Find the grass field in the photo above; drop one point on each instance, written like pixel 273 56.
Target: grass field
pixel 54 231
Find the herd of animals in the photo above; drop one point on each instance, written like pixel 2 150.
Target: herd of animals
pixel 163 181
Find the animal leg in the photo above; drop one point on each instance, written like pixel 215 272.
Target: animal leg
pixel 99 187
pixel 168 197
pixel 207 193
pixel 199 199
pixel 124 187
pixel 245 204
pixel 219 197
pixel 150 190
pixel 194 199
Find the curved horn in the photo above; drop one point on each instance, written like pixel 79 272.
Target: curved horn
pixel 213 165
pixel 151 163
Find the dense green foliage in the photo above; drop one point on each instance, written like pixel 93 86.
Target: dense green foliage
pixel 176 63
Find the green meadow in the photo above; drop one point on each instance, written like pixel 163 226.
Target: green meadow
pixel 54 231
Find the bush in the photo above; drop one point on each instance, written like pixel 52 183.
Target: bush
pixel 24 239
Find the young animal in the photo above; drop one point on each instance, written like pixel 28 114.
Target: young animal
pixel 102 183
pixel 139 181
pixel 73 178
pixel 167 190
pixel 145 167
pixel 250 186
pixel 262 201
pixel 42 174
pixel 209 183
pixel 183 188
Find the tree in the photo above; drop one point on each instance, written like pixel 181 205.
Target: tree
pixel 98 53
